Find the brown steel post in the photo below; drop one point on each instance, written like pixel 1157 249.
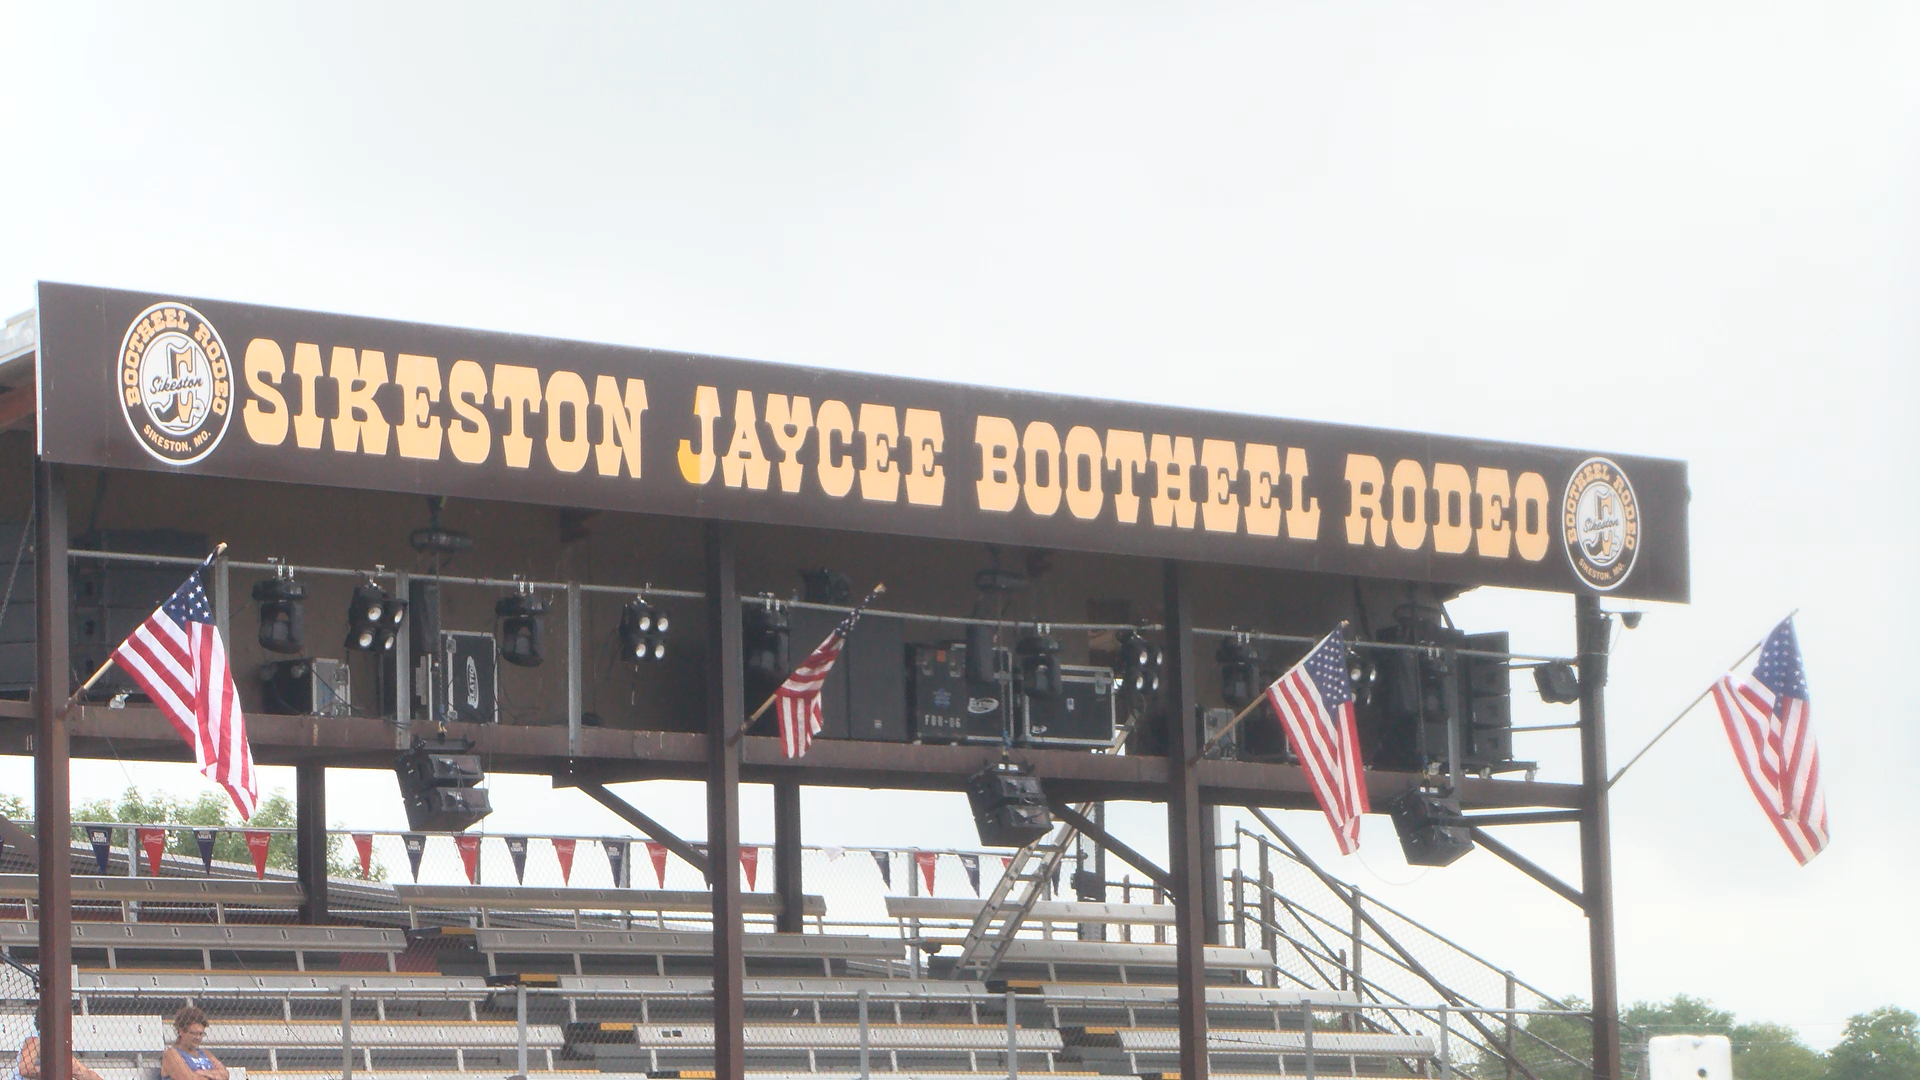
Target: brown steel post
pixel 52 810
pixel 726 711
pixel 787 885
pixel 1596 857
pixel 310 839
pixel 1187 831
pixel 1212 877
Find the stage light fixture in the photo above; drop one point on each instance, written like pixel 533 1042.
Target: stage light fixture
pixel 283 614
pixel 765 640
pixel 1140 663
pixel 643 631
pixel 374 618
pixel 1557 682
pixel 1009 808
pixel 1039 661
pixel 1363 674
pixel 826 587
pixel 436 540
pixel 438 785
pixel 521 626
pixel 1432 830
pixel 1239 670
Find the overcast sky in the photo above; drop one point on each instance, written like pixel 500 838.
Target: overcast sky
pixel 1688 232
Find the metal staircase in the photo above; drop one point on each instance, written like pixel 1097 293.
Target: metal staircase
pixel 994 929
pixel 999 921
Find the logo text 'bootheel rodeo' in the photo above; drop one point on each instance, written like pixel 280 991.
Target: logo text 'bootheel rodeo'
pixel 176 385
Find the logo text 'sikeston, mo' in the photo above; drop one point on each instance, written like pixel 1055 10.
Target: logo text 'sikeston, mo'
pixel 176 383
pixel 1600 524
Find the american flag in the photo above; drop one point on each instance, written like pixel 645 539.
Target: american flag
pixel 1768 717
pixel 799 697
pixel 177 658
pixel 1314 701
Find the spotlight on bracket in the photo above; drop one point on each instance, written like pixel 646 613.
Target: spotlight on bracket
pixel 1140 663
pixel 765 639
pixel 1239 670
pixel 374 619
pixel 283 617
pixel 1557 682
pixel 643 631
pixel 521 626
pixel 1039 664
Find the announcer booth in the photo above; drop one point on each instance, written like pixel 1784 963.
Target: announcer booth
pixel 594 563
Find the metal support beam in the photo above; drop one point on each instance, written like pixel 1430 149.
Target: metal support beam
pixel 1186 833
pixel 52 797
pixel 1212 874
pixel 1538 817
pixel 310 839
pixel 1593 631
pixel 726 712
pixel 632 816
pixel 787 885
pixel 1530 868
pixel 1093 831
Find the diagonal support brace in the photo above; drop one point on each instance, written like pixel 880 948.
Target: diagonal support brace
pixel 1530 868
pixel 632 816
pixel 1087 827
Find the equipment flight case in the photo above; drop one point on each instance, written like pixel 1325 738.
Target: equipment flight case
pixel 1082 715
pixel 947 706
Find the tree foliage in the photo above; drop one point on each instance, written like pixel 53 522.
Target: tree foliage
pixel 213 810
pixel 1879 1045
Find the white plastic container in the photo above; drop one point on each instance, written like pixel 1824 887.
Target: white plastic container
pixel 1689 1057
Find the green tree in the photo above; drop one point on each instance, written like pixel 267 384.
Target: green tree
pixel 1879 1045
pixel 1544 1043
pixel 14 808
pixel 1763 1051
pixel 213 810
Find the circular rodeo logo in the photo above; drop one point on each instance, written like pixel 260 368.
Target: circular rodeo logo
pixel 1600 523
pixel 176 384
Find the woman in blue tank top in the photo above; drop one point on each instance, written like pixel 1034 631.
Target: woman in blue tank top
pixel 185 1060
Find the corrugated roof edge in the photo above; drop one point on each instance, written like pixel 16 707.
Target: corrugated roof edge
pixel 19 339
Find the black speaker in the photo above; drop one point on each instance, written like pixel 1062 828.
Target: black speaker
pixel 1432 830
pixel 437 786
pixel 1009 809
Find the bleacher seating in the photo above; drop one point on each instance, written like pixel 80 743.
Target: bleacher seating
pixel 484 900
pixel 266 944
pixel 605 998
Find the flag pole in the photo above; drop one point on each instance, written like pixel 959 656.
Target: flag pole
pixel 852 617
pixel 1255 703
pixel 1671 724
pixel 73 700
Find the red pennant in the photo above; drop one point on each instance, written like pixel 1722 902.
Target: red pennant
pixel 469 846
pixel 927 861
pixel 657 851
pixel 153 842
pixel 1006 862
pixel 257 841
pixel 564 849
pixel 364 841
pixel 750 863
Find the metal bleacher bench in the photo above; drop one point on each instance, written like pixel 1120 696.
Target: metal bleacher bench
pixel 954 909
pixel 218 892
pixel 493 898
pixel 205 939
pixel 664 943
pixel 1122 956
pixel 1263 1042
